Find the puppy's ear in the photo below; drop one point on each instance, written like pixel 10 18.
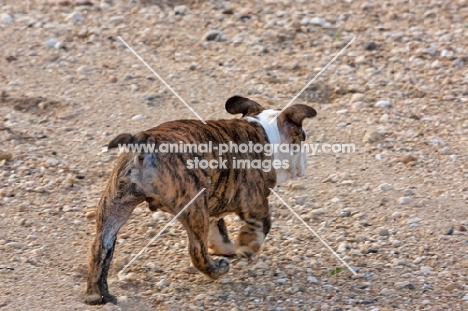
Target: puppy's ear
pixel 238 104
pixel 121 139
pixel 297 113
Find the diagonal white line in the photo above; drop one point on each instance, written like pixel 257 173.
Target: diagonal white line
pixel 162 80
pixel 312 81
pixel 313 231
pixel 160 232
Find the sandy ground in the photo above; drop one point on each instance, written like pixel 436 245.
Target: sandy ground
pixel 395 209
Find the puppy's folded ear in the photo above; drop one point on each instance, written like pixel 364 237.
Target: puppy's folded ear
pixel 297 113
pixel 239 104
pixel 121 139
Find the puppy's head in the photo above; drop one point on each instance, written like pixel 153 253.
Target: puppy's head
pixel 286 129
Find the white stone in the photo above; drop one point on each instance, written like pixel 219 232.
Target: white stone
pixel 446 54
pixel 6 18
pixel 104 6
pixel 320 211
pixel 180 9
pixel 138 117
pixel 15 245
pixel 384 118
pixel 200 297
pixel 426 270
pixel 383 104
pixel 401 285
pixel 51 43
pixel 305 21
pixel 59 45
pixel 414 220
pixel 312 279
pixel 116 19
pixel 357 97
pixel 405 200
pixel 52 162
pixel 159 215
pixel 77 17
pixel 385 187
pixel 372 137
pixel 262 265
pixel 317 20
pixel 342 247
pixel 360 59
pixel 163 283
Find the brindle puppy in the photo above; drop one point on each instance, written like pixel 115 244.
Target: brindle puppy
pixel 166 183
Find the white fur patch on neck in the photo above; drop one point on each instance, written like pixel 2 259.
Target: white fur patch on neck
pixel 271 130
pixel 297 163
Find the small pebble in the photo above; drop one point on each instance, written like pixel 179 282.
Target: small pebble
pixel 215 36
pixel 405 200
pixel 51 43
pixel 138 117
pixel 77 17
pixel 407 158
pixel 191 270
pixel 262 265
pixel 385 187
pixel 384 232
pixel 50 162
pixel 383 104
pixel 320 211
pixel 6 18
pixel 371 46
pixel 404 284
pixel 163 283
pixel 449 231
pixel 372 137
pixel 312 279
pixel 180 10
pixel 90 214
pixel 15 245
pixel 357 97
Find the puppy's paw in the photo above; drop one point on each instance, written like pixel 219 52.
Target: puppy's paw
pixel 93 299
pixel 96 299
pixel 223 265
pixel 245 252
pixel 249 242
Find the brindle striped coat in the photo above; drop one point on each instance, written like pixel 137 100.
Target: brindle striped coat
pixel 166 183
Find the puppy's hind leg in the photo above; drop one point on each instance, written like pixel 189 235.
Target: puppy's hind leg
pixel 115 207
pixel 218 239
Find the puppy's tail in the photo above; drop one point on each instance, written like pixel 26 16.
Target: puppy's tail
pixel 121 139
pixel 128 139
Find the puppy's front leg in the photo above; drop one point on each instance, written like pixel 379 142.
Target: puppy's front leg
pixel 252 234
pixel 197 221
